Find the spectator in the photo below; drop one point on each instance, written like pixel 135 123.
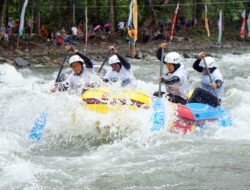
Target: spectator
pixel 74 32
pixel 17 26
pixel 2 32
pixel 146 34
pixel 43 32
pixel 121 26
pixel 59 39
pixel 79 32
pixel 107 27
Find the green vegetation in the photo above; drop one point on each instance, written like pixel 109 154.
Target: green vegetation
pixel 57 13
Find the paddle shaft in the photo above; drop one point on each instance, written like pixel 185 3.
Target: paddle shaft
pixel 61 68
pixel 210 78
pixel 106 58
pixel 161 71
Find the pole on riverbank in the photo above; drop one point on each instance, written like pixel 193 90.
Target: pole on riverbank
pixel 86 29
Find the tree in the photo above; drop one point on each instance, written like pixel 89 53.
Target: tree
pixel 111 15
pixel 37 16
pixel 3 4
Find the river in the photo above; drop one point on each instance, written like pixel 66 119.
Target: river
pixel 74 153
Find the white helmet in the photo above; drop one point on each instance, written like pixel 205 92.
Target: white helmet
pixel 210 62
pixel 114 59
pixel 173 57
pixel 75 58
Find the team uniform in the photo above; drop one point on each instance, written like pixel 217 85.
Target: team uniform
pixel 176 82
pixel 215 74
pixel 85 79
pixel 124 76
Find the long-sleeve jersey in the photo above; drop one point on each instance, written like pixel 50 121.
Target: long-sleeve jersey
pixel 216 77
pixel 125 75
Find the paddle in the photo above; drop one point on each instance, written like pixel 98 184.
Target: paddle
pixel 158 106
pixel 225 119
pixel 161 71
pixel 106 58
pixel 61 68
pixel 40 122
pixel 209 75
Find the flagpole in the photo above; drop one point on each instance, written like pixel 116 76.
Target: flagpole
pixel 174 21
pixel 22 21
pixel 243 25
pixel 86 29
pixel 206 22
pixel 219 43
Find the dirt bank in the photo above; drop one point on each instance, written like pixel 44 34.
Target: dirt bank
pixel 41 53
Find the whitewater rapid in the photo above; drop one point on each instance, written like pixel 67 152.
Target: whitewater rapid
pixel 82 150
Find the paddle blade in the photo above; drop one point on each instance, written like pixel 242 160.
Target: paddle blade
pixel 158 115
pixel 40 122
pixel 225 119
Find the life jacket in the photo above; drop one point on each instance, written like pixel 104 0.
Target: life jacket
pixel 181 88
pixel 206 83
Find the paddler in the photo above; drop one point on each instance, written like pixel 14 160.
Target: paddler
pixel 121 70
pixel 83 75
pixel 211 77
pixel 176 79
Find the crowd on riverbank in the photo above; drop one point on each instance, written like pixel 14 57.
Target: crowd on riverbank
pixel 39 52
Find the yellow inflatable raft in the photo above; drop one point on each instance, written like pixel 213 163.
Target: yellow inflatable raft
pixel 104 100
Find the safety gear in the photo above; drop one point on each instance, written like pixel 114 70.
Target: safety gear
pixel 210 62
pixel 206 83
pixel 173 57
pixel 125 76
pixel 113 59
pixel 77 82
pixel 182 87
pixel 75 58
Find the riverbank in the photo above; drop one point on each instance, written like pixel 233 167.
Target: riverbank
pixel 41 53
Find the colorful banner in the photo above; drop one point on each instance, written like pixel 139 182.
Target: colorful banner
pixel 206 22
pixel 133 18
pixel 220 28
pixel 248 25
pixel 174 21
pixel 243 25
pixel 22 17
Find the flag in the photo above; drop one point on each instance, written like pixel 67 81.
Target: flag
pixel 243 25
pixel 174 21
pixel 22 17
pixel 220 28
pixel 206 22
pixel 248 25
pixel 133 17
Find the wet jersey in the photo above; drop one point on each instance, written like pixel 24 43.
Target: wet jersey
pixel 215 76
pixel 181 88
pixel 125 76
